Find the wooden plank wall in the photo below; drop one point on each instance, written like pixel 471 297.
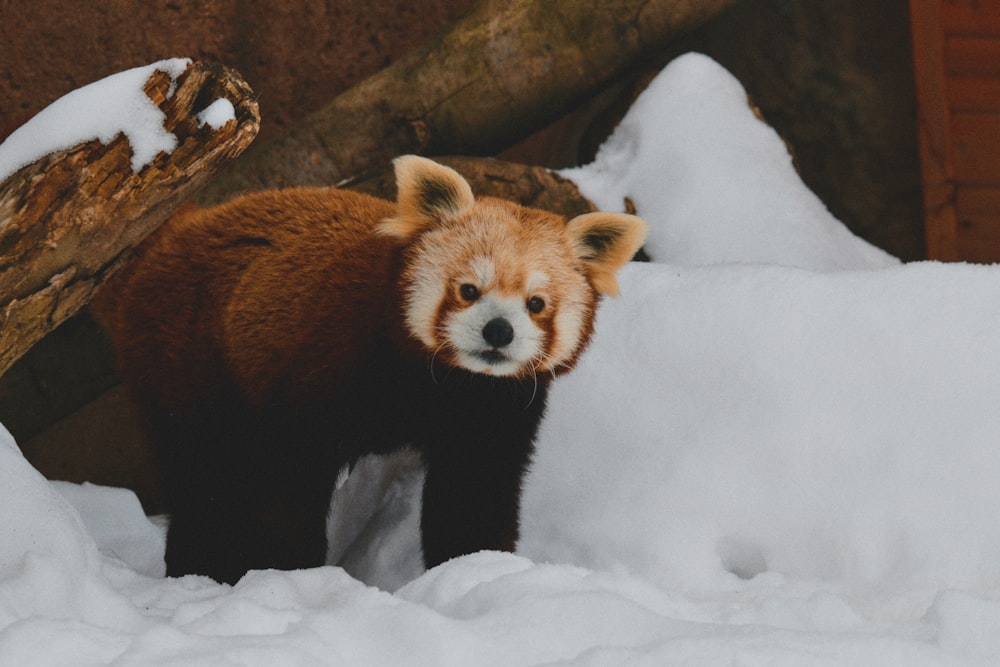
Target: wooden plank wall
pixel 957 67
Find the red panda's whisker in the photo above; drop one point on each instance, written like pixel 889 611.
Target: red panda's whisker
pixel 534 388
pixel 430 363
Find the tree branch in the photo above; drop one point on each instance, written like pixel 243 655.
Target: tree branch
pixel 68 221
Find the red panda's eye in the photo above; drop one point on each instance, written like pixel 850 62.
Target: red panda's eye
pixel 536 304
pixel 469 292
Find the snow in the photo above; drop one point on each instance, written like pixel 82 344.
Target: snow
pixel 217 114
pixel 779 449
pixel 721 183
pixel 86 113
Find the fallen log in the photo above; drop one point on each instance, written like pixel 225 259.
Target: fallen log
pixel 503 71
pixel 69 219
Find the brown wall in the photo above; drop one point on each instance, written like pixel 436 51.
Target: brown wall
pixel 295 55
pixel 958 84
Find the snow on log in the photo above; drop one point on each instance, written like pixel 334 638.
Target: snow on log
pixel 92 174
pixel 504 70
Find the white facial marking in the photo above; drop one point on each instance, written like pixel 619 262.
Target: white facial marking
pixel 536 281
pixel 423 299
pixel 464 330
pixel 484 272
pixel 568 325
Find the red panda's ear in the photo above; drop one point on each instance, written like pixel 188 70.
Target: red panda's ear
pixel 605 242
pixel 428 192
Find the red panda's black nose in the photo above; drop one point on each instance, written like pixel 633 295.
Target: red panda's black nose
pixel 498 332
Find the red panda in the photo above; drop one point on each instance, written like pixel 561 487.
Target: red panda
pixel 275 339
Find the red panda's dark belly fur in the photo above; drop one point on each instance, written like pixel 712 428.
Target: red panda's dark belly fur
pixel 267 353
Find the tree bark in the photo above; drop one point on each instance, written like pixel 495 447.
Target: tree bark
pixel 503 71
pixel 69 220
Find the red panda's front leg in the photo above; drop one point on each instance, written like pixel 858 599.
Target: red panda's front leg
pixel 475 468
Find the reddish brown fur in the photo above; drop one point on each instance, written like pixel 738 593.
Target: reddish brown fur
pixel 205 290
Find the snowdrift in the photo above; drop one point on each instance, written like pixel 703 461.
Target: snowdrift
pixel 781 448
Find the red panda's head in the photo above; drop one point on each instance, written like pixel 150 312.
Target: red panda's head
pixel 497 288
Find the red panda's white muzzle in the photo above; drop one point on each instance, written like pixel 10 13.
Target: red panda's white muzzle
pixel 496 336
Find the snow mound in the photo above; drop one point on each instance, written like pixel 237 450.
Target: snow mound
pixel 748 419
pixel 715 183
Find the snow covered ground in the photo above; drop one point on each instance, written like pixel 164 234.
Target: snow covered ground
pixel 780 449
